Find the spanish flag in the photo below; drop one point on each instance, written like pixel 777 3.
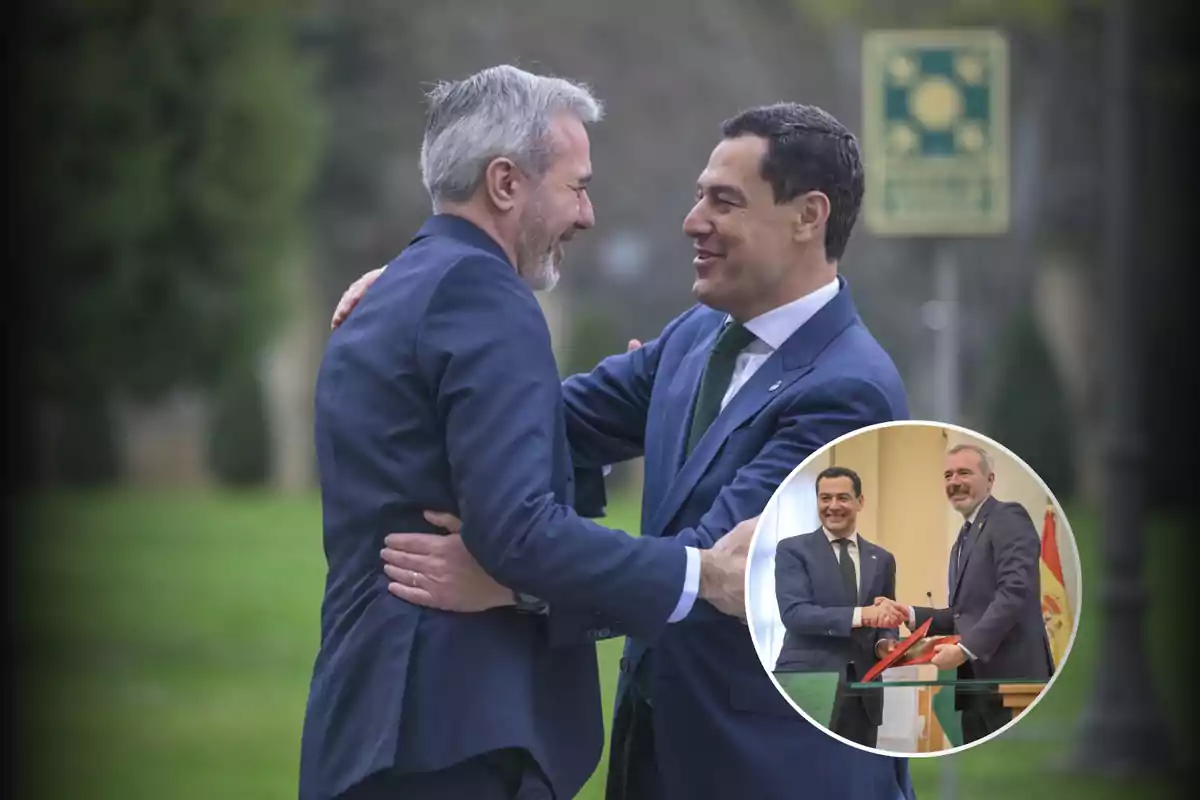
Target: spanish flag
pixel 1056 608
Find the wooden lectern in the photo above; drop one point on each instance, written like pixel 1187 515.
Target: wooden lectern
pixel 1018 696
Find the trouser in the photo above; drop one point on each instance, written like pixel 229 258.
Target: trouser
pixel 633 762
pixel 509 774
pixel 982 715
pixel 851 721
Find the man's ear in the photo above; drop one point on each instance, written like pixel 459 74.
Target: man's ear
pixel 811 213
pixel 501 182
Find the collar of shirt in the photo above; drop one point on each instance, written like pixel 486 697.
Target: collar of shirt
pixel 777 325
pixel 975 512
pixel 852 537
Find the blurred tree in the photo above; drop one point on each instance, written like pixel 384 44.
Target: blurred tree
pixel 942 13
pixel 238 446
pixel 368 200
pixel 170 146
pixel 1027 410
pixel 593 338
pixel 1166 224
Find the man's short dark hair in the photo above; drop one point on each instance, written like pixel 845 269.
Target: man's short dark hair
pixel 841 472
pixel 808 150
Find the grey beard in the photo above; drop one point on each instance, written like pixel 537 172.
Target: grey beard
pixel 544 277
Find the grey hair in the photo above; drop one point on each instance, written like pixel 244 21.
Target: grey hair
pixel 500 112
pixel 985 461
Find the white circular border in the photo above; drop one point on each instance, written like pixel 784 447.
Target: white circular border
pixel 1061 516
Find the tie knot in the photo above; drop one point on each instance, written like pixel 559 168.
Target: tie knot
pixel 733 339
pixel 842 543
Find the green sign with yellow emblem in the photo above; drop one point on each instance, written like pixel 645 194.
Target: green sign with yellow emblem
pixel 935 133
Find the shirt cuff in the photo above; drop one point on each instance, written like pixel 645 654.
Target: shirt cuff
pixel 912 618
pixel 970 655
pixel 691 586
pixel 856 620
pixel 606 470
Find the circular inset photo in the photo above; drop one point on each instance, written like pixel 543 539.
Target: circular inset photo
pixel 913 588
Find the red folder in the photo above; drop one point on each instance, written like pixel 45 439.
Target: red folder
pixel 923 651
pixel 916 649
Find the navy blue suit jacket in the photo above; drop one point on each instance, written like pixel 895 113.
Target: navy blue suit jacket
pixel 996 598
pixel 711 693
pixel 819 616
pixel 441 392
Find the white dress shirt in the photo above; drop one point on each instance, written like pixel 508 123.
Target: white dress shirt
pixel 772 329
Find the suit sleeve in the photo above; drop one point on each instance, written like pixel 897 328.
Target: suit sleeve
pixel 485 349
pixel 606 408
pixel 606 411
pixel 943 620
pixel 889 591
pixel 1017 549
pixel 797 606
pixel 814 420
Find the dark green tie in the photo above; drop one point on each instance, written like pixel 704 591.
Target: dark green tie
pixel 717 374
pixel 846 567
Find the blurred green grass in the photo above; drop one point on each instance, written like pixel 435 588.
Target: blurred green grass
pixel 174 637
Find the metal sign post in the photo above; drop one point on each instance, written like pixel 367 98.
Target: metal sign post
pixel 935 137
pixel 936 143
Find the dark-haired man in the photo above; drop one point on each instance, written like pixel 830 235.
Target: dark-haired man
pixel 826 583
pixel 772 364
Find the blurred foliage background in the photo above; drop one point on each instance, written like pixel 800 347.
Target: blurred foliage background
pixel 210 178
pixel 200 182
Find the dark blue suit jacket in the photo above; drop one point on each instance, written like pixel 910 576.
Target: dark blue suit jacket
pixel 712 697
pixel 441 392
pixel 996 598
pixel 818 615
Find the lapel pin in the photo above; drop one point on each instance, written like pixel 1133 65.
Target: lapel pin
pixel 775 386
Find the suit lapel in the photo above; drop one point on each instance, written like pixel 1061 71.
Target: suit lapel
pixel 795 358
pixel 868 560
pixel 674 415
pixel 968 545
pixel 763 386
pixel 825 554
pixel 671 417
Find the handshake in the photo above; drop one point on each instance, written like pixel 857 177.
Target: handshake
pixel 885 613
